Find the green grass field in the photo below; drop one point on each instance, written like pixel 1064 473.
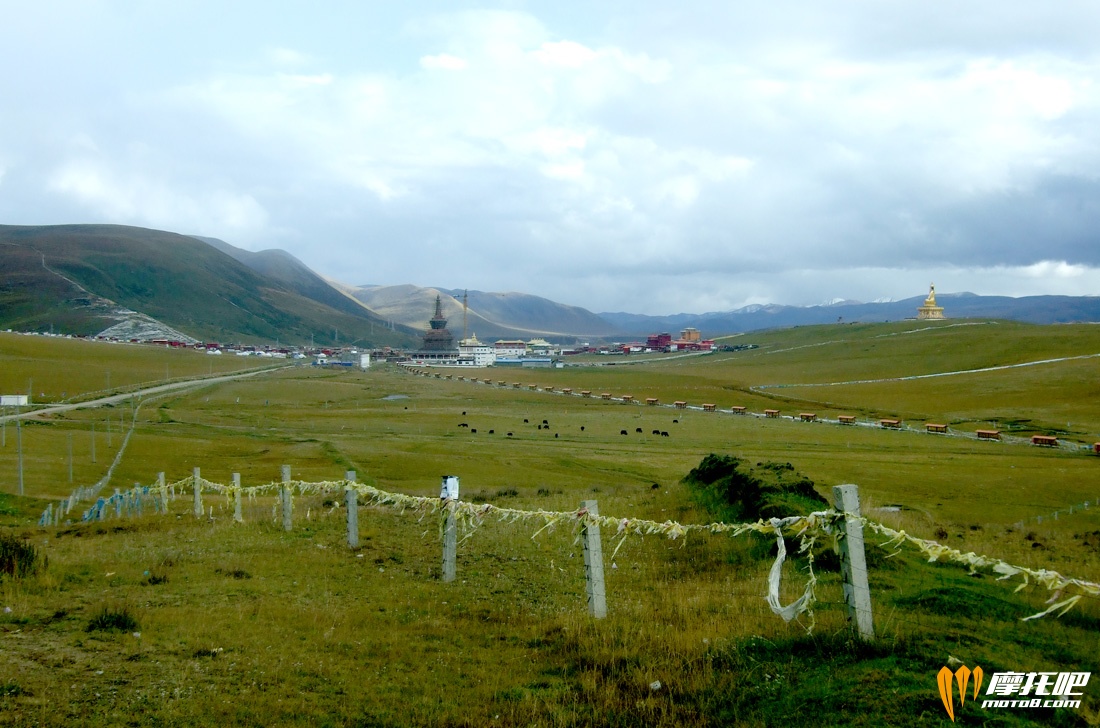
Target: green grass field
pixel 244 623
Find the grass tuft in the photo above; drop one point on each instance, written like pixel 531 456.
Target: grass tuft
pixel 113 620
pixel 18 557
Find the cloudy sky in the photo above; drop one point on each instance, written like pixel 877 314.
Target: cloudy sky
pixel 621 156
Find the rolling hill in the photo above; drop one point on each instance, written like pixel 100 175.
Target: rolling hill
pixel 83 279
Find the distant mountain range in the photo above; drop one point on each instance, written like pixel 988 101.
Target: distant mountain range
pixel 138 283
pixel 1033 309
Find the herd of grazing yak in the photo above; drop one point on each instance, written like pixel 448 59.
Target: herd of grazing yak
pixel 546 426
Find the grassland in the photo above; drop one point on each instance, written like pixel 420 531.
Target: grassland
pixel 247 624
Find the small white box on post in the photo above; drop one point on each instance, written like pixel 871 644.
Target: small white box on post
pixel 237 517
pixel 286 499
pixel 198 493
pixel 853 560
pixel 351 500
pixel 593 561
pixel 448 492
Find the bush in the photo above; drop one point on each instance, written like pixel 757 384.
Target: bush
pixel 113 620
pixel 734 491
pixel 18 557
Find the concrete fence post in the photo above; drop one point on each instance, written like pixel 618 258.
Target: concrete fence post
pixel 450 543
pixel 448 494
pixel 593 562
pixel 351 499
pixel 853 561
pixel 163 503
pixel 197 492
pixel 237 517
pixel 286 499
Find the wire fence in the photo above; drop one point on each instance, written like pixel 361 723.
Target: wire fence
pixel 806 531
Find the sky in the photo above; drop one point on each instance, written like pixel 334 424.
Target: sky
pixel 640 156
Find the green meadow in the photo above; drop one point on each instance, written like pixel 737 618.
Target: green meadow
pixel 167 619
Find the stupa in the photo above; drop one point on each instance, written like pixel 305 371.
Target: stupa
pixel 930 310
pixel 438 338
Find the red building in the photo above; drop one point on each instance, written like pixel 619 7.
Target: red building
pixel 658 341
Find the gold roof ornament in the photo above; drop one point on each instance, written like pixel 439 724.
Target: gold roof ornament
pixel 930 310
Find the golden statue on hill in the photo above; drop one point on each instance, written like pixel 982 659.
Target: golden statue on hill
pixel 930 310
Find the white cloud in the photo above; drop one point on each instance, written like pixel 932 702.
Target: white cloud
pixel 1057 269
pixel 130 197
pixel 443 61
pixel 564 54
pixel 298 80
pixel 288 57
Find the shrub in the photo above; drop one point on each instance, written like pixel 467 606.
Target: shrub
pixel 12 689
pixel 734 491
pixel 18 557
pixel 113 620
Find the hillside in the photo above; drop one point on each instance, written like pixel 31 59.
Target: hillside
pixel 82 279
pixel 281 266
pixel 490 315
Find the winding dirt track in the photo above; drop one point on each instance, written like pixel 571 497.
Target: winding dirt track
pixel 147 392
pixel 933 375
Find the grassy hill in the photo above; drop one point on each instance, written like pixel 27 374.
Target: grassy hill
pixel 64 271
pixel 281 266
pixel 249 624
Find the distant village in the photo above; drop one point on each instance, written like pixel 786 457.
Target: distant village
pixel 438 347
